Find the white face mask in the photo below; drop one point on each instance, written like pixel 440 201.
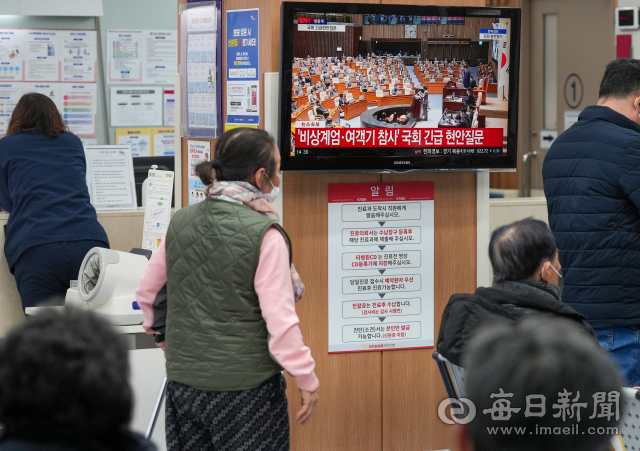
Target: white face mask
pixel 273 195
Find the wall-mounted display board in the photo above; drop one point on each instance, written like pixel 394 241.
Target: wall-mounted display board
pixel 201 60
pixel 61 64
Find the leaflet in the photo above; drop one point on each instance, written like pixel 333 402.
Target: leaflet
pixel 131 107
pixel 160 56
pixel 79 108
pixel 79 56
pixel 164 141
pixel 42 61
pixel 11 54
pixel 10 93
pixel 51 90
pixel 157 210
pixel 125 56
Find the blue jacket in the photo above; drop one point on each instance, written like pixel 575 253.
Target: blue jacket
pixel 43 186
pixel 592 184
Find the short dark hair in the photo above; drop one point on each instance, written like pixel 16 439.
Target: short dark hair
pixel 621 79
pixel 36 113
pixel 539 356
pixel 239 153
pixel 518 249
pixel 68 369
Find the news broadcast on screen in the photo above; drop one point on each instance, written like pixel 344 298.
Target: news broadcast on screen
pixel 391 87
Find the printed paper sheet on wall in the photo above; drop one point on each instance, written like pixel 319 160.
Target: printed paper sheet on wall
pixel 381 264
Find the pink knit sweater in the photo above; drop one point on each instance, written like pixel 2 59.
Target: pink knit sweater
pixel 272 283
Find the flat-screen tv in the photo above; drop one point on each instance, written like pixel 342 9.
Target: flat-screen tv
pixel 371 110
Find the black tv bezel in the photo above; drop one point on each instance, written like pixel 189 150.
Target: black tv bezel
pixel 503 162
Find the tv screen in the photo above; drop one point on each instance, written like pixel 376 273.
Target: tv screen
pixel 379 106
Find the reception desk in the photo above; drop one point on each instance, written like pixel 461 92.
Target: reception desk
pixel 124 229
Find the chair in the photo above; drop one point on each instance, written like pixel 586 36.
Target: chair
pixel 309 89
pixel 407 92
pixel 453 376
pixel 379 93
pixel 349 97
pixel 336 101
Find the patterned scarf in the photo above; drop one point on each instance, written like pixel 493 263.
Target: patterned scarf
pixel 252 197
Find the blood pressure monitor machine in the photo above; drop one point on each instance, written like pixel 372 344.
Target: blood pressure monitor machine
pixel 107 284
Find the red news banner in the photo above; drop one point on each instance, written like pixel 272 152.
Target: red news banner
pixel 399 137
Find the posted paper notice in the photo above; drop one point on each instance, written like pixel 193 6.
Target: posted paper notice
pixel 381 265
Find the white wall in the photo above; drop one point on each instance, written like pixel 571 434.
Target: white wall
pixel 117 14
pixel 635 39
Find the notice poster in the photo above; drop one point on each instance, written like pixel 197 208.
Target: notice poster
pixel 42 55
pixel 124 56
pixel 169 107
pixel 110 177
pixel 138 139
pixel 160 63
pixel 381 264
pixel 243 71
pixel 201 18
pixel 79 109
pixel 10 93
pixel 201 81
pixel 157 208
pixel 51 90
pixel 79 56
pixel 11 54
pixel 199 151
pixel 164 141
pixel 140 106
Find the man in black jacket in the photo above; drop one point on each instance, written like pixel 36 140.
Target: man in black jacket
pixel 592 184
pixel 527 280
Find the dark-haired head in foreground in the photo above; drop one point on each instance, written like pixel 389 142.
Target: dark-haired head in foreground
pixel 620 88
pixel 540 357
pixel 64 379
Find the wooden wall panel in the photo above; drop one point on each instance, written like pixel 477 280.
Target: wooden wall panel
pixel 471 30
pixel 349 415
pixel 324 44
pixel 412 386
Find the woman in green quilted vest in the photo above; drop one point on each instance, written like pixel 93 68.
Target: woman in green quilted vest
pixel 220 294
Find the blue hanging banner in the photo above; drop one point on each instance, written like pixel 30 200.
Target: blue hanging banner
pixel 243 69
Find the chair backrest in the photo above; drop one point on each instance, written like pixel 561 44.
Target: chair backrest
pixel 336 101
pixel 407 91
pixel 296 84
pixel 379 93
pixel 627 437
pixel 446 79
pixel 309 89
pixel 454 375
pixel 323 96
pixel 312 116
